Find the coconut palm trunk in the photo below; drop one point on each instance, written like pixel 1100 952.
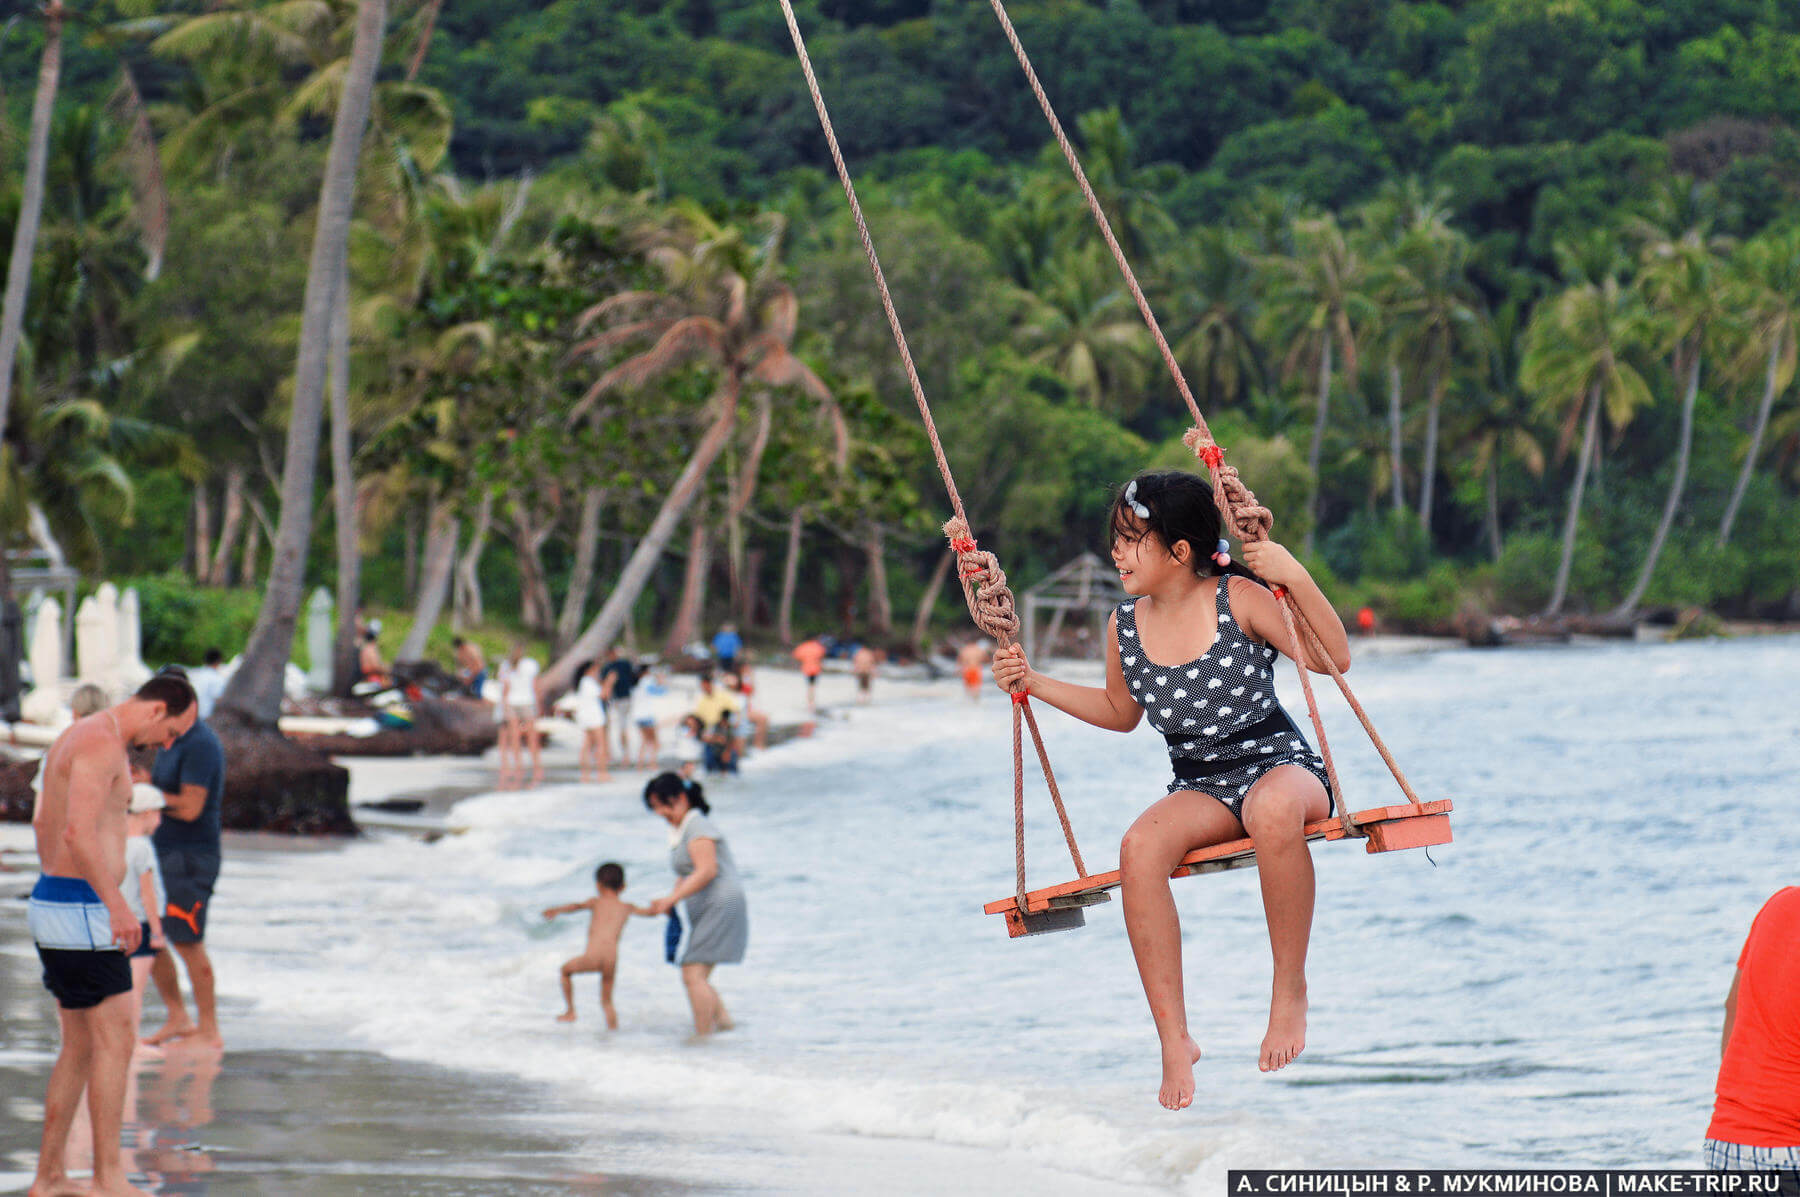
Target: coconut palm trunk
pixel 1493 506
pixel 343 492
pixel 1314 454
pixel 31 205
pixel 434 583
pixel 691 607
pixel 921 626
pixel 1590 434
pixel 617 609
pixel 1434 406
pixel 1683 454
pixel 881 604
pixel 790 579
pixel 581 574
pixel 1396 460
pixel 254 693
pixel 467 609
pixel 1756 438
pixel 230 527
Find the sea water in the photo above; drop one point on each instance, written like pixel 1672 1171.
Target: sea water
pixel 1546 990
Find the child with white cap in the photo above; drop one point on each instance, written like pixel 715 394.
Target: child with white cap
pixel 143 888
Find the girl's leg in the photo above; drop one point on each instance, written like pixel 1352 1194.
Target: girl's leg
pixel 581 755
pixel 1280 805
pixel 535 740
pixel 649 752
pixel 602 755
pixel 701 997
pixel 1152 847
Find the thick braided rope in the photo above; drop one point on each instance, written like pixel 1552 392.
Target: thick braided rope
pixel 983 581
pixel 1250 521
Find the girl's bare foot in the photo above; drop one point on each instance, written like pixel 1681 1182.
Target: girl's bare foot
pixel 1179 1059
pixel 171 1031
pixel 56 1186
pixel 1287 1030
pixel 566 1016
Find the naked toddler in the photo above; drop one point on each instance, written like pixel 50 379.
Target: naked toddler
pixel 607 914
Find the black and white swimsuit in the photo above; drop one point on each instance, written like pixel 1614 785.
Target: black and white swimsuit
pixel 1219 712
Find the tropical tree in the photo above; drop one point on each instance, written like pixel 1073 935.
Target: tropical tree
pixel 1085 328
pixel 723 307
pixel 254 693
pixel 1766 294
pixel 1316 303
pixel 1683 288
pixel 31 207
pixel 1577 362
pixel 1210 281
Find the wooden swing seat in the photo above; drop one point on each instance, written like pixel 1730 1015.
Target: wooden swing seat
pixel 1058 907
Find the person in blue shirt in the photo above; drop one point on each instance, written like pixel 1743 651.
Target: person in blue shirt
pixel 727 646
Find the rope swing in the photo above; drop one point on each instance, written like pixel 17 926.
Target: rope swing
pixel 991 602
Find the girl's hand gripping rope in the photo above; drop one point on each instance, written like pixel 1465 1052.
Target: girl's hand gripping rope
pixel 1011 671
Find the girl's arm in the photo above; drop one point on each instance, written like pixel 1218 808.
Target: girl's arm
pixel 1110 706
pixel 1276 566
pixel 153 916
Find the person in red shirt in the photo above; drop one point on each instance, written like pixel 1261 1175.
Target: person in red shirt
pixel 1756 1117
pixel 811 655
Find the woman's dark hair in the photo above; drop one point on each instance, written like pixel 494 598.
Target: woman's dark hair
pixel 666 787
pixel 1180 507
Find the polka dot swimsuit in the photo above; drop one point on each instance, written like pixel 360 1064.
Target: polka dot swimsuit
pixel 1219 712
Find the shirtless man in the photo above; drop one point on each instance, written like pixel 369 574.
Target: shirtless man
pixel 607 913
pixel 471 665
pixel 971 662
pixel 83 929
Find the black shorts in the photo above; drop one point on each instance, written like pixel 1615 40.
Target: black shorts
pixel 188 878
pixel 144 949
pixel 81 979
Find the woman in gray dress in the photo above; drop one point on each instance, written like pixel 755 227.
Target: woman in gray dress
pixel 718 922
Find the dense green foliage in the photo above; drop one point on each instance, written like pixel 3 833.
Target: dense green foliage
pixel 1509 220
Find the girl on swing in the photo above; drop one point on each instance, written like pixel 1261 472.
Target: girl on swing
pixel 1195 648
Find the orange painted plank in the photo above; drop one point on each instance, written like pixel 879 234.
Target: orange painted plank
pixel 1389 829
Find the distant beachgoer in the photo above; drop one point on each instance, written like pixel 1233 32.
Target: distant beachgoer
pixel 734 683
pixel 1240 764
pixel 727 647
pixel 369 662
pixel 716 708
pixel 88 699
pixel 617 681
pixel 1365 620
pixel 690 746
pixel 1756 1113
pixel 189 842
pixel 717 917
pixel 471 665
pixel 862 664
pixel 607 913
pixel 519 716
pixel 209 681
pixel 653 693
pixel 811 655
pixel 971 661
pixel 144 891
pixel 590 719
pixel 84 928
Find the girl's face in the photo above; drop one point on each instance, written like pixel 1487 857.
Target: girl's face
pixel 1145 564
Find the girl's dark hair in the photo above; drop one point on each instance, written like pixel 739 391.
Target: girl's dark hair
pixel 1181 508
pixel 581 669
pixel 666 787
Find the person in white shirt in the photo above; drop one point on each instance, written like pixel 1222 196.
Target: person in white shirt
pixel 209 682
pixel 590 718
pixel 519 715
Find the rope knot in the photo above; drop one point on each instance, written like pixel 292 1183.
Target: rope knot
pixel 1204 447
pixel 984 585
pixel 1020 697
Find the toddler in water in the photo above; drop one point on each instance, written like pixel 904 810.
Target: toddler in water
pixel 690 747
pixel 607 913
pixel 1196 648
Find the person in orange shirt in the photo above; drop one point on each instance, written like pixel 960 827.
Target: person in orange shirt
pixel 1756 1117
pixel 811 655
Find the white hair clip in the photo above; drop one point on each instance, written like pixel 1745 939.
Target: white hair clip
pixel 1131 501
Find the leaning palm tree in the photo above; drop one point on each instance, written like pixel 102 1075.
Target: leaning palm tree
pixel 1681 283
pixel 1316 303
pixel 254 693
pixel 1211 299
pixel 31 207
pixel 724 307
pixel 1085 329
pixel 1578 348
pixel 1766 293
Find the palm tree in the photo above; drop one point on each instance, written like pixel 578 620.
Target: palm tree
pixel 1767 296
pixel 1576 362
pixel 254 693
pixel 1085 328
pixel 1211 288
pixel 723 305
pixel 1315 302
pixel 1681 284
pixel 1436 319
pixel 31 207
